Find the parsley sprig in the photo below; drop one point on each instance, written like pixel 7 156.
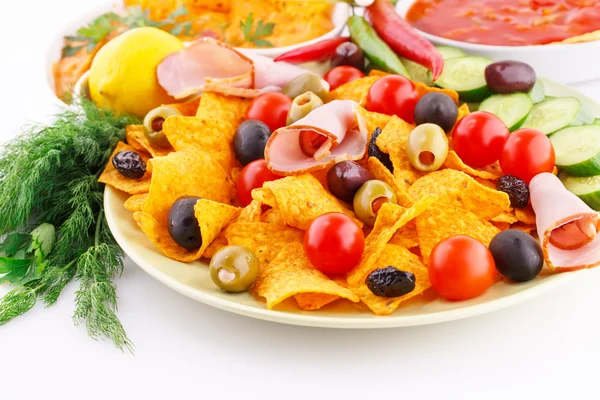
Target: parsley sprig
pixel 256 34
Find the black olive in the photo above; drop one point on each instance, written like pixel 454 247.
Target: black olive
pixel 183 225
pixel 517 255
pixel 250 140
pixel 517 190
pixel 510 76
pixel 348 54
pixel 345 178
pixel 374 151
pixel 129 164
pixel 437 108
pixel 390 282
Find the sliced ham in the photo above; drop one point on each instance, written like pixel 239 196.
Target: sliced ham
pixel 567 227
pixel 329 134
pixel 213 66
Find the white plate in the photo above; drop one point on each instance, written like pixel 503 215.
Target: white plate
pixel 340 16
pixel 566 63
pixel 193 280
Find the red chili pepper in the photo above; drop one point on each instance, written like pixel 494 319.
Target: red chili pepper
pixel 402 37
pixel 320 51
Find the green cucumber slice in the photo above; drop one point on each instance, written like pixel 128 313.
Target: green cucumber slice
pixel 512 108
pixel 587 189
pixel 417 72
pixel 448 52
pixel 538 92
pixel 577 150
pixel 552 115
pixel 596 121
pixel 585 116
pixel 466 75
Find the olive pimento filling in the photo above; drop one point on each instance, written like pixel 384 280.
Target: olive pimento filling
pixel 314 144
pixel 378 203
pixel 157 124
pixel 575 234
pixel 427 158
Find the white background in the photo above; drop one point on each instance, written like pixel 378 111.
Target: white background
pixel 547 347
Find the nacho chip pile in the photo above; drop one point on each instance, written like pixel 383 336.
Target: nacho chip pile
pixel 455 200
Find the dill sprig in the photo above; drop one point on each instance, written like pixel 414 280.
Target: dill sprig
pixel 49 174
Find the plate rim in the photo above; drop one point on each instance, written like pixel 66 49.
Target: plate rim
pixel 314 320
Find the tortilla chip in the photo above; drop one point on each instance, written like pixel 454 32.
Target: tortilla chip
pixel 525 215
pixel 507 217
pixel 393 140
pixel 442 221
pixel 354 90
pixel 491 172
pixel 423 89
pixel 190 172
pixel 380 172
pixel 251 213
pixel 463 111
pixel 189 108
pixel 503 226
pixel 111 177
pixel 273 216
pixel 223 108
pixel 207 134
pixel 136 202
pixel 213 217
pixel 390 219
pixel 265 240
pixel 406 236
pixel 216 245
pixel 402 259
pixel 314 301
pixel 137 139
pixel 291 273
pixel 459 189
pixel 376 72
pixel 524 227
pixel 300 199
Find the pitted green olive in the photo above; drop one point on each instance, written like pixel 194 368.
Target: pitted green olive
pixel 305 83
pixel 302 106
pixel 234 269
pixel 153 123
pixel 427 147
pixel 369 199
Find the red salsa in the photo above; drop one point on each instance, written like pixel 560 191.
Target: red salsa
pixel 506 22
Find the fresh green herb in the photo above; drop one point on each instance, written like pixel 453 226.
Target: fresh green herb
pixel 49 174
pixel 256 34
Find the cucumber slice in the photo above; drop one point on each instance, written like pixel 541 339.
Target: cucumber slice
pixel 585 116
pixel 538 92
pixel 450 52
pixel 596 121
pixel 511 108
pixel 577 150
pixel 587 189
pixel 466 75
pixel 552 115
pixel 417 72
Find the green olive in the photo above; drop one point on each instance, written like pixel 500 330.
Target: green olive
pixel 234 269
pixel 305 83
pixel 153 123
pixel 302 106
pixel 369 199
pixel 427 147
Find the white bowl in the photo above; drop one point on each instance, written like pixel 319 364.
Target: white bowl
pixel 566 63
pixel 340 16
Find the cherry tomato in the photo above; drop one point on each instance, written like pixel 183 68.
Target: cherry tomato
pixel 253 176
pixel 340 75
pixel 461 268
pixel 527 152
pixel 334 243
pixel 393 95
pixel 478 138
pixel 271 108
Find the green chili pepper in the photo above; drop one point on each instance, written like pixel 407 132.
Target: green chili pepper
pixel 375 49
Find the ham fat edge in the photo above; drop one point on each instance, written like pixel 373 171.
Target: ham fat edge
pixel 567 227
pixel 340 131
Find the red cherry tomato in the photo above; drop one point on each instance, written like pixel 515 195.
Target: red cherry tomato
pixel 253 176
pixel 393 95
pixel 461 268
pixel 340 75
pixel 271 108
pixel 527 152
pixel 478 138
pixel 334 243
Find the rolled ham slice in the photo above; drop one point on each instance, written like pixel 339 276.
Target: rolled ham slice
pixel 209 65
pixel 567 227
pixel 329 134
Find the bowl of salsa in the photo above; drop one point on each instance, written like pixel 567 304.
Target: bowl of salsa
pixel 559 38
